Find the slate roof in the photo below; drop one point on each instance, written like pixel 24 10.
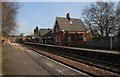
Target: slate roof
pixel 77 24
pixel 49 34
pixel 44 31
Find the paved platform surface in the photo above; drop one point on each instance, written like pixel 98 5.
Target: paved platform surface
pixel 18 60
pixel 0 59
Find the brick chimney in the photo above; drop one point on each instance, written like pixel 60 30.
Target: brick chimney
pixel 68 17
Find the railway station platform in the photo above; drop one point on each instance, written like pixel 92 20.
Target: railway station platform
pixel 18 60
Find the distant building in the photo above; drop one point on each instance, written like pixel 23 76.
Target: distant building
pixel 46 35
pixel 69 31
pixel 44 31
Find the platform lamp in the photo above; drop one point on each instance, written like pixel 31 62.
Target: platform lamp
pixel 111 35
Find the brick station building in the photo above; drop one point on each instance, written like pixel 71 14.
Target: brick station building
pixel 69 31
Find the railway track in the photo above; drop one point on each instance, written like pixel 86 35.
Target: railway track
pixel 93 66
pixel 52 66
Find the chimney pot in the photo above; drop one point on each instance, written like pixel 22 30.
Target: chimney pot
pixel 68 16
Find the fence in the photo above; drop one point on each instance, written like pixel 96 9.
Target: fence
pixel 104 42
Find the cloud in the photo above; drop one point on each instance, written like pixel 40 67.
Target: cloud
pixel 24 27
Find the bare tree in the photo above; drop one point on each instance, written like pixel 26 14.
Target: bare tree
pixel 9 12
pixel 118 17
pixel 0 13
pixel 102 17
pixel 0 16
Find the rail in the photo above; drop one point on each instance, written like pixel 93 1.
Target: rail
pixel 99 58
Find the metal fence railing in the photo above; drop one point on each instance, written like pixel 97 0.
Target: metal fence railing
pixel 105 42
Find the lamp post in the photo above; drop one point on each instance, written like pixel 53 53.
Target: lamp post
pixel 111 35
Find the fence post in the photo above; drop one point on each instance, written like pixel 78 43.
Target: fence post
pixel 111 43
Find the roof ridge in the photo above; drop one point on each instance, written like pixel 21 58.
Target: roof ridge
pixel 46 28
pixel 65 17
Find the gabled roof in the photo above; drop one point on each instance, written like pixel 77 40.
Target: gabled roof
pixel 49 34
pixel 44 31
pixel 77 24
